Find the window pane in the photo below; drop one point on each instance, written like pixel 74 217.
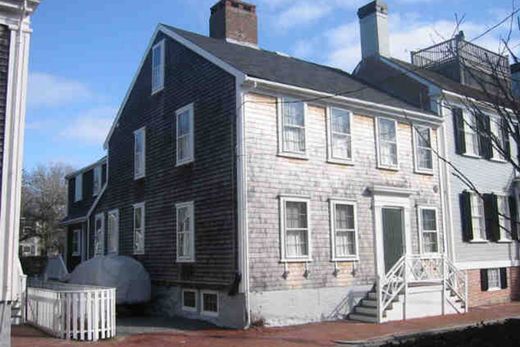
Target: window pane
pixel 493 278
pixel 296 213
pixel 210 302
pixel 345 243
pixel 184 123
pixel 389 154
pixel 387 130
pixel 425 158
pixel 341 146
pixel 293 113
pixel 429 220
pixel 423 137
pixel 430 242
pixel 344 217
pixel 137 218
pixel 340 121
pixel 294 139
pixel 296 243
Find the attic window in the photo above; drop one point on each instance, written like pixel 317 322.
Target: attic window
pixel 158 67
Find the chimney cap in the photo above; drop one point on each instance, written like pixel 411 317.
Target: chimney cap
pixel 234 3
pixel 372 7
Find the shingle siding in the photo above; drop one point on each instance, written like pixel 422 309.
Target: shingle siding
pixel 5 35
pixel 209 181
pixel 269 176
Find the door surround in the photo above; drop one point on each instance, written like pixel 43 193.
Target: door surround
pixel 388 197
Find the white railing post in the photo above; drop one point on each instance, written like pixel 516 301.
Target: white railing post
pixel 405 279
pixel 379 299
pixel 444 279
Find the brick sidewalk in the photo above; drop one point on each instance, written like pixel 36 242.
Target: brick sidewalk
pixel 319 334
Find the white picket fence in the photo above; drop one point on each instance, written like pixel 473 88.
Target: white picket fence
pixel 68 311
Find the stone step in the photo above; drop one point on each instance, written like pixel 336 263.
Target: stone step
pixel 362 318
pixel 371 311
pixel 369 303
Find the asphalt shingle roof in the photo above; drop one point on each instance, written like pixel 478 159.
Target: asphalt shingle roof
pixel 276 67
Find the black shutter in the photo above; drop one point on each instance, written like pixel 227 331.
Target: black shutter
pixel 517 140
pixel 505 134
pixel 484 285
pixel 491 214
pixel 465 216
pixel 513 213
pixel 458 125
pixel 503 278
pixel 485 144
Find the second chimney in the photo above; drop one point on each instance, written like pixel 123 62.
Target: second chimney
pixel 373 22
pixel 235 21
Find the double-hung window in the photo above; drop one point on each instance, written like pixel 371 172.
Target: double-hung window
pixel 387 143
pixel 78 187
pixel 504 217
pixel 470 134
pixel 344 235
pixel 185 232
pixel 340 140
pixel 139 228
pixel 76 243
pixel 295 229
pixel 493 279
pixel 293 126
pixel 184 136
pixel 429 229
pixel 499 140
pixel 113 232
pixel 158 67
pixel 423 149
pixel 99 234
pixel 478 220
pixel 97 180
pixel 139 153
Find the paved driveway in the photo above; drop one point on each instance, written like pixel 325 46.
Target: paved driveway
pixel 180 332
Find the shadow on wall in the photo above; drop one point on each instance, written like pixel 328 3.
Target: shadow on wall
pixel 347 304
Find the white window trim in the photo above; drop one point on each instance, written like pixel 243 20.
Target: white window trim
pixel 162 69
pixel 281 150
pixel 140 205
pixel 330 152
pixel 191 135
pixel 187 308
pixel 138 175
pixel 420 209
pixel 190 206
pixel 78 188
pixel 209 313
pixel 102 241
pixel 416 152
pixel 97 173
pixel 490 288
pixel 378 145
pixel 332 214
pixel 283 256
pixel 116 214
pixel 76 233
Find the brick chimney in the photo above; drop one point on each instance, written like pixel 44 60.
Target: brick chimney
pixel 235 21
pixel 373 22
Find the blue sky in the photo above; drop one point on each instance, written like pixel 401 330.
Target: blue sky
pixel 84 53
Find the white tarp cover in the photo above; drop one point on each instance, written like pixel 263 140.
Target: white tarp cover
pixel 127 275
pixel 55 269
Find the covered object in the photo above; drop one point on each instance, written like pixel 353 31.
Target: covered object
pixel 127 275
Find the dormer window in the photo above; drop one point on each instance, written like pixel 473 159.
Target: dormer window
pixel 158 67
pixel 78 188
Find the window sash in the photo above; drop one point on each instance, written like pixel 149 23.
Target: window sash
pixel 429 230
pixel 185 233
pixel 158 67
pixel 344 231
pixel 388 155
pixel 99 235
pixel 293 126
pixel 139 153
pixel 78 188
pixel 504 217
pixel 496 130
pixel 296 230
pixel 184 135
pixel 423 148
pixel 471 135
pixel 340 134
pixel 477 217
pixel 494 279
pixel 139 229
pixel 113 232
pixel 210 305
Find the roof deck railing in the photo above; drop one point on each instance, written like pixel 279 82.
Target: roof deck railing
pixel 469 54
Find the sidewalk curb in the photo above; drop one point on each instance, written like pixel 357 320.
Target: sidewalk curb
pixel 399 338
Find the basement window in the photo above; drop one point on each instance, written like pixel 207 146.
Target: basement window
pixel 209 303
pixel 189 300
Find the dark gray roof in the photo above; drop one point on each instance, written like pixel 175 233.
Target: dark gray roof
pixel 279 68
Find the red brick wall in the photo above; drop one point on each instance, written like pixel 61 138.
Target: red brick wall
pixel 478 298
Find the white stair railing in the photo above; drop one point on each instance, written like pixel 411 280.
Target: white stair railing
pixel 420 269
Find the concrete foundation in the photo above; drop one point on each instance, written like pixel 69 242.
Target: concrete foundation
pixel 5 324
pixel 298 306
pixel 167 301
